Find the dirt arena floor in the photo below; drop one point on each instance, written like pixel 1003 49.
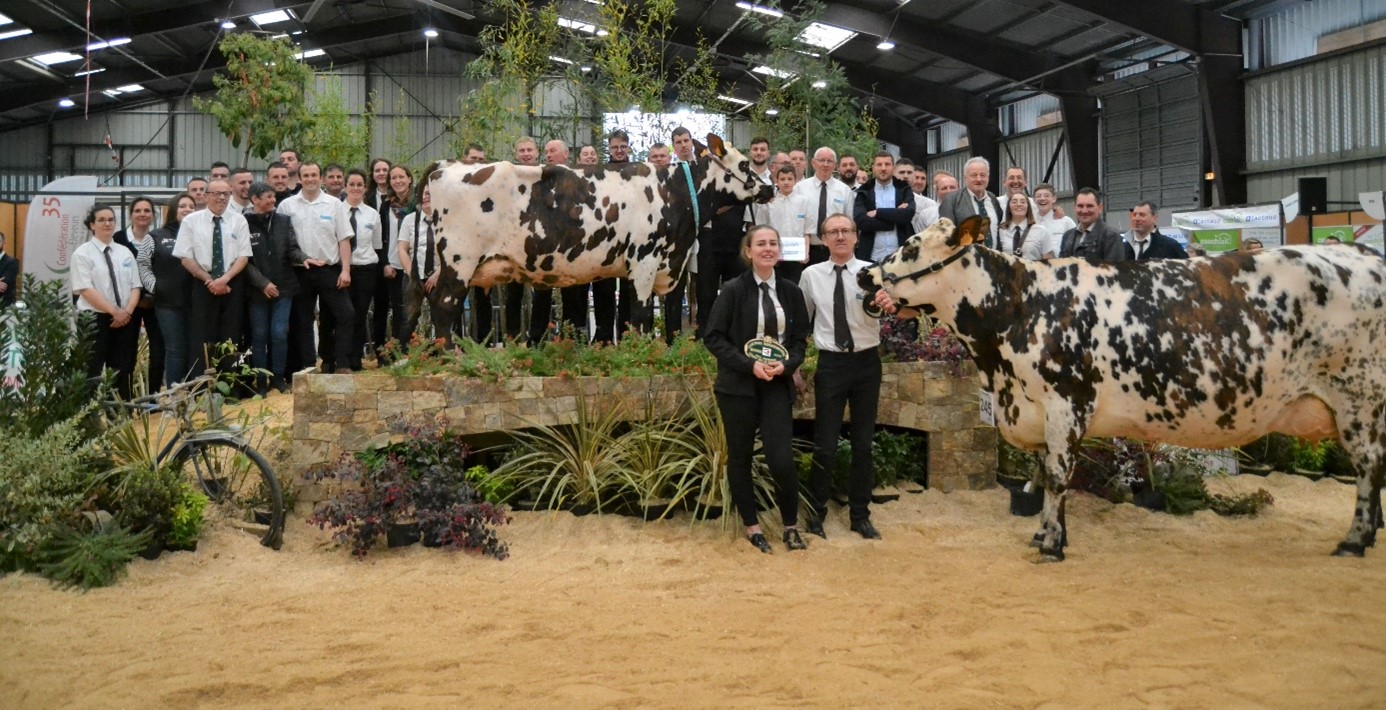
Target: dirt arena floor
pixel 949 610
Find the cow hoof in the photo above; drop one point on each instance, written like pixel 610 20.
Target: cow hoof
pixel 1037 540
pixel 1047 556
pixel 1349 549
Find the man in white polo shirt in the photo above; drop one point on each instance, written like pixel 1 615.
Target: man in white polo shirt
pixel 323 227
pixel 214 245
pixel 825 196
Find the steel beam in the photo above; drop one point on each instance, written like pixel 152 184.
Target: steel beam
pixel 166 20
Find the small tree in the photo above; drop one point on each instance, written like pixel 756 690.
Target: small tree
pixel 259 103
pixel 332 136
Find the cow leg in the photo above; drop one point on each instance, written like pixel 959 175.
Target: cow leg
pixel 1052 537
pixel 1365 444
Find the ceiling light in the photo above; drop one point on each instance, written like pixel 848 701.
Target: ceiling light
pixel 129 88
pixel 4 19
pixel 15 33
pixel 772 112
pixel 820 84
pixel 762 69
pixel 66 103
pixel 108 43
pixel 826 36
pixel 271 17
pixel 760 8
pixel 885 45
pixel 310 53
pixel 52 58
pixel 97 70
pixel 228 25
pixel 587 27
pixel 560 59
pixel 430 33
pixel 281 36
pixel 585 69
pixel 734 100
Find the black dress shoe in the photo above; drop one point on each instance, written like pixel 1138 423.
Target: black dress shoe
pixel 865 529
pixel 759 542
pixel 815 527
pixel 793 541
pixel 282 386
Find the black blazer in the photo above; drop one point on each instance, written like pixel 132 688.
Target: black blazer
pixel 1103 244
pixel 733 323
pixel 274 254
pixel 958 205
pixel 9 273
pixel 1161 247
pixel 889 217
pixel 172 282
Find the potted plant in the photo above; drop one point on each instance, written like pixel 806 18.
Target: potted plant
pixel 185 524
pixel 1309 458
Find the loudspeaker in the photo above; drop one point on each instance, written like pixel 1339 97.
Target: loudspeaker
pixel 1313 195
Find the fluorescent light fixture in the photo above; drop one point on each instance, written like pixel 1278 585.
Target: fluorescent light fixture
pixel 585 69
pixel 430 33
pixel 310 53
pixel 108 43
pixel 762 69
pixel 772 112
pixel 579 25
pixel 760 8
pixel 129 88
pixel 66 103
pixel 4 20
pixel 820 84
pixel 52 58
pixel 734 100
pixel 885 45
pixel 15 33
pixel 826 36
pixel 560 59
pixel 280 36
pixel 97 70
pixel 228 25
pixel 271 17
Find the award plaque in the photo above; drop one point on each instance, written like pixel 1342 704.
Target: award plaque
pixel 766 350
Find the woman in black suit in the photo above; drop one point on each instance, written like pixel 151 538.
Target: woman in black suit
pixel 752 394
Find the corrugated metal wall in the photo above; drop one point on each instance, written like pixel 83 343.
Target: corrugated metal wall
pixel 1023 116
pixel 1033 151
pixel 1152 146
pixel 1323 118
pixel 952 162
pixel 1294 32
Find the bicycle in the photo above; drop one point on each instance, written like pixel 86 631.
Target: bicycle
pixel 219 460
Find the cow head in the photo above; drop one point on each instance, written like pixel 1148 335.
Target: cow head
pixel 906 274
pixel 729 171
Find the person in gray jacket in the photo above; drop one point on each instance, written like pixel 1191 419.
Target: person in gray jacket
pixel 275 253
pixel 1092 239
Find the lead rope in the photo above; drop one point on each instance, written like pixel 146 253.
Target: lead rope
pixel 697 215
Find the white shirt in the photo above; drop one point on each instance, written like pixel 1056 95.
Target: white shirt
pixel 1056 229
pixel 413 233
pixel 789 215
pixel 235 206
pixel 839 201
pixel 368 234
pixel 886 240
pixel 818 283
pixel 756 214
pixel 1137 245
pixel 1037 242
pixel 925 213
pixel 89 270
pixel 319 224
pixel 195 238
pixel 760 310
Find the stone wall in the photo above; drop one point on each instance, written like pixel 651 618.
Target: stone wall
pixel 336 414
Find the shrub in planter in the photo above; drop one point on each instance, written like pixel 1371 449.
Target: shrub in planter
pixel 45 481
pixel 421 480
pixel 1310 455
pixel 145 498
pixel 187 518
pixel 72 558
pixel 1274 450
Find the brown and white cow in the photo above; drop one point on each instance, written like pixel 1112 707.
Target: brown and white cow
pixel 557 226
pixel 1206 353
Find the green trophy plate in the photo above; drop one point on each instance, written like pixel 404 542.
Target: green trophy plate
pixel 766 350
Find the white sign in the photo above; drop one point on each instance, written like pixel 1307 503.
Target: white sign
pixel 1229 218
pixel 986 407
pixel 1269 237
pixel 794 249
pixel 1372 204
pixel 1291 206
pixel 54 228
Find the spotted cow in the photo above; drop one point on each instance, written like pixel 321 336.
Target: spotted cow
pixel 1208 353
pixel 556 226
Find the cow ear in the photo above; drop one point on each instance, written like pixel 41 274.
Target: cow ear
pixel 715 145
pixel 973 230
pixel 699 150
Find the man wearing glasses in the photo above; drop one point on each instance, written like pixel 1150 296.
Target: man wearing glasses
pixel 849 371
pixel 825 196
pixel 214 246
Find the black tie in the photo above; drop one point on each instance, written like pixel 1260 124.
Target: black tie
pixel 982 206
pixel 1016 241
pixel 115 283
pixel 353 228
pixel 428 260
pixel 841 333
pixel 1140 249
pixel 218 259
pixel 822 208
pixel 772 323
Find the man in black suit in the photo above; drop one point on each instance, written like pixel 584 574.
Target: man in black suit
pixel 1144 241
pixel 883 210
pixel 974 199
pixel 1092 239
pixel 9 274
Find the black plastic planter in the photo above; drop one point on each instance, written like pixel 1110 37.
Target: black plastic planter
pixel 1026 504
pixel 401 534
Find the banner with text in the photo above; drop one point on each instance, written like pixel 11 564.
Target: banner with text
pixel 1251 217
pixel 54 227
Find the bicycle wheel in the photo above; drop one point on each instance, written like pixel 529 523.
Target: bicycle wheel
pixel 239 483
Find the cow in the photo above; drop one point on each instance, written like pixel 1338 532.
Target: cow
pixel 556 226
pixel 1208 353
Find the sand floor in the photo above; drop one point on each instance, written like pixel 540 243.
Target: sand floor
pixel 949 610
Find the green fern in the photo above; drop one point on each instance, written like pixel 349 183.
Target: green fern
pixel 88 560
